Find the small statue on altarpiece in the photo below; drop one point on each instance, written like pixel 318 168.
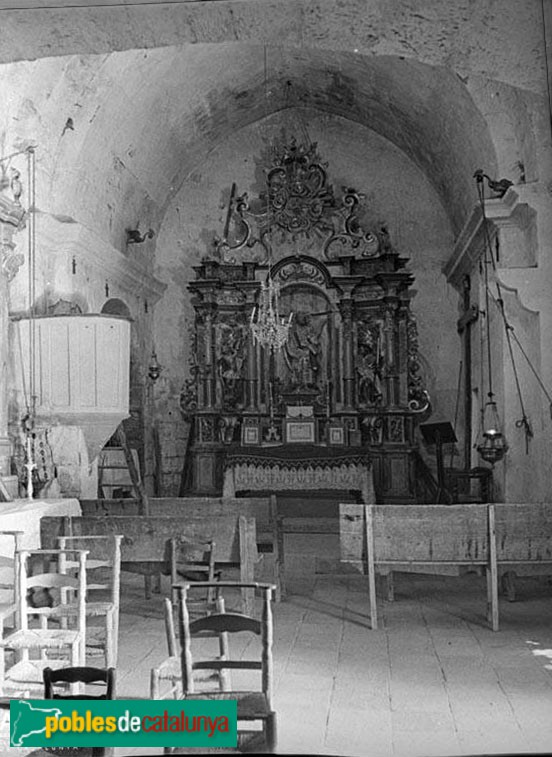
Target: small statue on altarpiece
pixel 369 364
pixel 302 352
pixel 231 348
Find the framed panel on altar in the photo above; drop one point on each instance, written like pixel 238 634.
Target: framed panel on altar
pixel 336 435
pixel 300 431
pixel 251 434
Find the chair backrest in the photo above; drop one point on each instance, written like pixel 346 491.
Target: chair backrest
pixel 87 676
pixel 193 561
pixel 170 633
pixel 226 623
pixel 62 588
pixel 10 543
pixel 103 564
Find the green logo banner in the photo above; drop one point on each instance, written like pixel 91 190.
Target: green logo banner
pixel 123 722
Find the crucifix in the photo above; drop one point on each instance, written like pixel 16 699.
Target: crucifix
pixel 464 324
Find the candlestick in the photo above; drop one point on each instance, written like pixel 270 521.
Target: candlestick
pixel 30 466
pixel 328 399
pixel 270 402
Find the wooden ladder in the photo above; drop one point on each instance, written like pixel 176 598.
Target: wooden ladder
pixel 130 466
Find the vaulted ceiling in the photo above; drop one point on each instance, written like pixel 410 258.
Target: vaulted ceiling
pixel 128 127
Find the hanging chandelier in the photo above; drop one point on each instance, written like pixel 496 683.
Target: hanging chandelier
pixel 269 329
pixel 492 445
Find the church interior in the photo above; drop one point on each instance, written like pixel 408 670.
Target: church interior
pixel 276 282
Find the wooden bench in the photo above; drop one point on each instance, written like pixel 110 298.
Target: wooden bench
pixel 262 509
pixel 523 542
pixel 145 546
pixel 437 539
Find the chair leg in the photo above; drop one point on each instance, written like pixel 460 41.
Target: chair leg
pixel 110 659
pixel 154 684
pixel 270 731
pixel 147 587
pixel 509 585
pixel 77 660
pixel 115 636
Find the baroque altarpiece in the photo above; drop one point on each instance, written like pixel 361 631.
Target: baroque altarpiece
pixel 347 381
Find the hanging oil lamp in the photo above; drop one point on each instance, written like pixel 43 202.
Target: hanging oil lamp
pixel 492 445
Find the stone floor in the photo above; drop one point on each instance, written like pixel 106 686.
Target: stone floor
pixel 432 680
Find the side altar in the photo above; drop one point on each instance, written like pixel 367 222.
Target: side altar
pixel 345 384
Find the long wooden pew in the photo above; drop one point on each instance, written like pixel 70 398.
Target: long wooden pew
pixel 437 539
pixel 262 509
pixel 145 544
pixel 523 542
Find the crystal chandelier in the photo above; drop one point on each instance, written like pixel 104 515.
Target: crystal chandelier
pixel 269 329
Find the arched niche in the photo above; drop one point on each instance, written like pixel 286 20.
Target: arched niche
pixel 116 306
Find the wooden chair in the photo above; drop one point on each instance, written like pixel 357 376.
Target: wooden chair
pixel 194 561
pixel 170 670
pixel 67 677
pixel 39 629
pixel 10 583
pixel 85 675
pixel 104 557
pixel 254 703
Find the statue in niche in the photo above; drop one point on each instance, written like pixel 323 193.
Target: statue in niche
pixel 302 353
pixel 231 343
pixel 369 364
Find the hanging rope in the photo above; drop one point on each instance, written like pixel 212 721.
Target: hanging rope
pixel 510 331
pixel 459 386
pixel 547 67
pixel 523 422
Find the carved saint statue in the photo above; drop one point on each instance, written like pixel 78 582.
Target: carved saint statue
pixel 302 352
pixel 230 362
pixel 369 364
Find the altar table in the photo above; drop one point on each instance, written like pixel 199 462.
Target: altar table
pixel 298 468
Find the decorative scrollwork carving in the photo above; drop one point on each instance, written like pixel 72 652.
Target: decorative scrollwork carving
pixel 299 196
pixel 241 232
pixel 301 271
pixel 418 398
pixel 351 238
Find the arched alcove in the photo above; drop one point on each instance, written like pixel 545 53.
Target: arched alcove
pixel 116 306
